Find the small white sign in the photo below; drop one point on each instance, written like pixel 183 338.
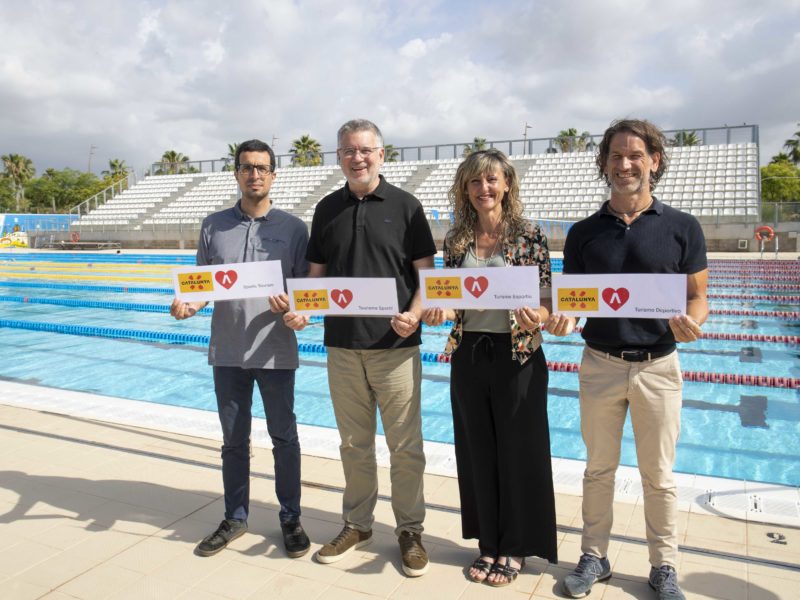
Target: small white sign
pixel 615 296
pixel 488 287
pixel 231 281
pixel 343 296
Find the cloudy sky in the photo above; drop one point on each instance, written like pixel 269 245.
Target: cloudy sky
pixel 134 79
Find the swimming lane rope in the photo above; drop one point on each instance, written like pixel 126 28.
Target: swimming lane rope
pixel 432 357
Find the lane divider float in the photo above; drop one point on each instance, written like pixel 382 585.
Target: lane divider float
pixel 432 357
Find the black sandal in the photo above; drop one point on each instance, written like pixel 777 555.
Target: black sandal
pixel 510 573
pixel 481 566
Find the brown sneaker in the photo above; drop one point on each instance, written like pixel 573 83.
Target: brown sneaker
pixel 415 559
pixel 343 544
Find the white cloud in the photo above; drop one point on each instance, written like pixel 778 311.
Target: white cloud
pixel 135 79
pixel 418 48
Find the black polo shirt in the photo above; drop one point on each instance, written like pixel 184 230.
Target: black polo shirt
pixel 379 236
pixel 661 240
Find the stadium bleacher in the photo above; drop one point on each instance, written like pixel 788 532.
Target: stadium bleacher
pixel 719 181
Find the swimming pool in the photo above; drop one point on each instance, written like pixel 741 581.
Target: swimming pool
pixel 110 334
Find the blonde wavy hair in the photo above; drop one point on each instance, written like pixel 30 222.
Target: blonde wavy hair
pixel 482 162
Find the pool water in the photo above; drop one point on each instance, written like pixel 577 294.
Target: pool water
pixel 734 431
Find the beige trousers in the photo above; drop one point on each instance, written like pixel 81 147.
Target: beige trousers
pixel 361 381
pixel 652 390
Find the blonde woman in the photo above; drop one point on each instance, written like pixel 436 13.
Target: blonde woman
pixel 499 379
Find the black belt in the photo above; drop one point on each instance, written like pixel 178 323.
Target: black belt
pixel 635 355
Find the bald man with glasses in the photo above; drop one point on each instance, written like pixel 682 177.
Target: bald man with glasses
pixel 370 228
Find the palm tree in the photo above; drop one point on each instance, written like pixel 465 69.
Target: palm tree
pixel 793 147
pixel 230 159
pixel 584 142
pixel 566 139
pixel 117 169
pixel 478 144
pixel 390 153
pixel 306 152
pixel 19 169
pixel 173 162
pixel 780 157
pixel 686 138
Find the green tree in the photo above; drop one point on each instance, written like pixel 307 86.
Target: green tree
pixel 230 158
pixel 6 194
pixel 779 158
pixel 686 138
pixel 306 152
pixel 780 182
pixel 117 169
pixel 20 170
pixel 391 154
pixel 478 144
pixel 173 162
pixel 64 189
pixel 566 139
pixel 584 142
pixel 792 146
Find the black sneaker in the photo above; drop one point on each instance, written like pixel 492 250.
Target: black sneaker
pixel 589 571
pixel 228 530
pixel 664 581
pixel 295 539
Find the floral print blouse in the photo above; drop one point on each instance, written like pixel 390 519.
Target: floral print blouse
pixel 528 248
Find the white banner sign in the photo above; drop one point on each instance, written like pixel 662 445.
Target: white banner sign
pixel 489 287
pixel 231 281
pixel 343 296
pixel 642 296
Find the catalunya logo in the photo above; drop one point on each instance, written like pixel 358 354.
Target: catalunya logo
pixel 195 282
pixel 443 287
pixel 311 299
pixel 578 299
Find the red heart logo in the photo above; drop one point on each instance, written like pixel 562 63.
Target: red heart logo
pixel 342 297
pixel 476 285
pixel 615 298
pixel 226 278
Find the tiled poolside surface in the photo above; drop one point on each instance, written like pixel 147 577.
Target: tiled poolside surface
pixel 94 507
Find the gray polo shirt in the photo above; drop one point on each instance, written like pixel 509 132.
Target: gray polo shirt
pixel 246 333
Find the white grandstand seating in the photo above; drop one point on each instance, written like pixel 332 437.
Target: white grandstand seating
pixel 707 181
pixel 126 207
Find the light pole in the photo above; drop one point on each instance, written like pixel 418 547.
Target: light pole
pixel 92 148
pixel 525 149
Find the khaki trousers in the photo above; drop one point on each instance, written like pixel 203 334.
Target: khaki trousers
pixel 652 390
pixel 361 381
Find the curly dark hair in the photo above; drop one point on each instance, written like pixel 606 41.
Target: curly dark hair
pixel 650 134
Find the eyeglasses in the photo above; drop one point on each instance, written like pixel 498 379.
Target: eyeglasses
pixel 262 170
pixel 365 152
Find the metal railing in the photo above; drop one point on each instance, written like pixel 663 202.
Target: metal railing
pixel 548 145
pixel 104 196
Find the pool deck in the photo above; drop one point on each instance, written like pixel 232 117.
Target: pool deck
pixel 102 498
pixel 106 498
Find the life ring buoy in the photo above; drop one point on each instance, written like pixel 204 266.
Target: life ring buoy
pixel 765 233
pixel 75 236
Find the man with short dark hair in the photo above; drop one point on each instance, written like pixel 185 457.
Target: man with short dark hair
pixel 632 363
pixel 370 228
pixel 251 345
